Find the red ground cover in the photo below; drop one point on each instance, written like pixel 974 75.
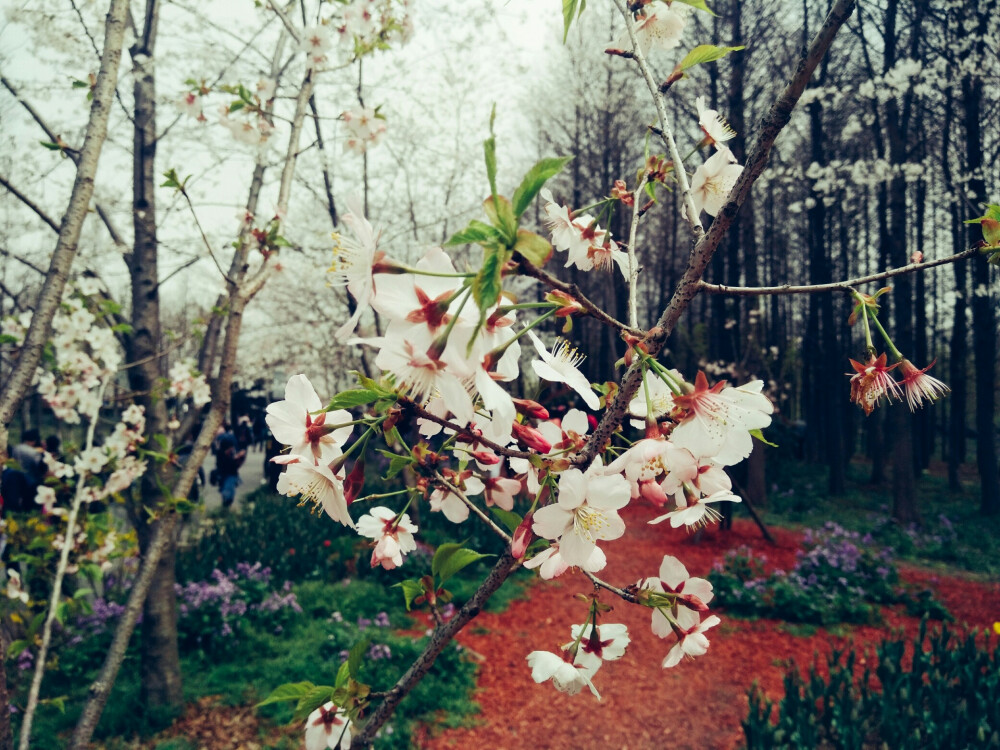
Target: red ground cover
pixel 698 704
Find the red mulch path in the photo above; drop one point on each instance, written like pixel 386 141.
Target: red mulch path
pixel 697 704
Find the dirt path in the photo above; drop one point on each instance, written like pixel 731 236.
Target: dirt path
pixel 698 704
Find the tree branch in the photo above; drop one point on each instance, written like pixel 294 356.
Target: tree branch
pixel 837 286
pixel 665 130
pixel 446 485
pixel 688 287
pixel 30 204
pixel 527 268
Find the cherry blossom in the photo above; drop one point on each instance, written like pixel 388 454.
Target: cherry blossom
pixel 292 423
pixel 714 125
pixel 561 367
pixel 551 564
pixel 328 728
pixel 659 29
pixel 353 259
pixel 566 677
pixel 919 386
pixel 871 381
pixel 607 643
pixel 585 512
pixel 364 129
pixel 714 180
pixel 718 419
pixel 314 483
pixel 393 535
pixel 692 643
pixel 700 511
pixel 692 596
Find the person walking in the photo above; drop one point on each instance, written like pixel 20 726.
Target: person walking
pixel 229 457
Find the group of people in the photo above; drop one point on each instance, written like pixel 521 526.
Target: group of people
pixel 27 469
pixel 19 482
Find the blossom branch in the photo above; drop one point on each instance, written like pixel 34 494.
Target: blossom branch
pixel 622 593
pixel 836 286
pixel 446 485
pixel 666 132
pixel 688 287
pixel 441 637
pixel 527 268
pixel 633 261
pixel 459 430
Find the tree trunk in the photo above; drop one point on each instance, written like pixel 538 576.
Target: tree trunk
pixel 984 332
pixel 161 670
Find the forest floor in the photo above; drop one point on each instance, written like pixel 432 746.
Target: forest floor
pixel 698 704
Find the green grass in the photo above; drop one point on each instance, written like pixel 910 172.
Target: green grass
pixel 797 497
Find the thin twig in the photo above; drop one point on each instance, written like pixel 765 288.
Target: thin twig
pixel 836 286
pixel 633 261
pixel 527 268
pixel 459 430
pixel 626 595
pixel 29 203
pixel 445 484
pixel 666 132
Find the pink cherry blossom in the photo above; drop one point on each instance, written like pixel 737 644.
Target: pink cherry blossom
pixel 292 422
pixel 393 535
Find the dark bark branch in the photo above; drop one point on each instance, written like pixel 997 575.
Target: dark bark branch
pixel 30 204
pixel 775 120
pixel 8 254
pixel 837 286
pixel 459 430
pixel 441 637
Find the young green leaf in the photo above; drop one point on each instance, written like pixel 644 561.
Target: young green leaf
pixel 536 249
pixel 537 176
pixel 451 558
pixel 355 656
pixel 698 4
pixel 312 700
pixel 490 153
pixel 290 691
pixel 412 588
pixel 501 213
pixel 476 233
pixel 705 53
pixel 352 397
pixel 760 436
pixel 571 9
pixel 486 287
pixel 508 518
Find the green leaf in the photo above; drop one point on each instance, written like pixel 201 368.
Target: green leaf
pixel 501 214
pixel 78 84
pixel 698 4
pixel 412 588
pixel 312 700
pixel 760 436
pixel 6 338
pixel 51 146
pixel 476 233
pixel 343 675
pixel 236 106
pixel 290 691
pixel 508 518
pixel 537 176
pixel 352 397
pixel 396 465
pixel 533 247
pixel 355 656
pixel 571 11
pixel 705 53
pixel 490 154
pixel 451 558
pixel 16 647
pixel 486 287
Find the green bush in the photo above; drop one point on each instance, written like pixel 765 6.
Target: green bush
pixel 947 698
pixel 838 577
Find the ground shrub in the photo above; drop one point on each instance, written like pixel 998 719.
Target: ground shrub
pixel 839 576
pixel 946 697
